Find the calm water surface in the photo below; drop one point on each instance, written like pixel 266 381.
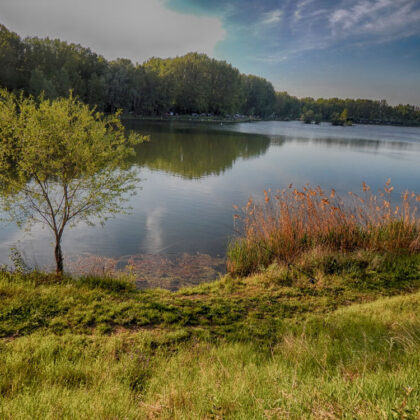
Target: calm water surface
pixel 192 174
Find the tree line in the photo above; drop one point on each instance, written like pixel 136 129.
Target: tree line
pixel 193 83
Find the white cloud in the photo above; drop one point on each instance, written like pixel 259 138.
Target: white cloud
pixel 135 29
pixel 350 17
pixel 391 18
pixel 300 9
pixel 272 58
pixel 356 22
pixel 274 16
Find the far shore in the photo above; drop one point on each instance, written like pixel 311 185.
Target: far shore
pixel 242 119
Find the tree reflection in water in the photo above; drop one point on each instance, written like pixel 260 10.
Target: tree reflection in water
pixel 195 152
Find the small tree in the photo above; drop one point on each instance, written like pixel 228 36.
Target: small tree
pixel 344 116
pixel 335 119
pixel 62 163
pixel 308 117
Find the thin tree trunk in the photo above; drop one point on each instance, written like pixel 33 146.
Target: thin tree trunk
pixel 59 258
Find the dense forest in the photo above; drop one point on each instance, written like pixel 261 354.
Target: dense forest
pixel 191 84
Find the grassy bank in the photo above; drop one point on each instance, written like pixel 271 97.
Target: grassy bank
pixel 334 336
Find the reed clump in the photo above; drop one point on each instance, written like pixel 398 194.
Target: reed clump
pixel 290 222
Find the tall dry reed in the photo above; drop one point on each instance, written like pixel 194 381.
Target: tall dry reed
pixel 289 222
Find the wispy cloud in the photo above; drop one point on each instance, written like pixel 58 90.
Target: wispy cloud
pixel 300 9
pixel 392 18
pixel 358 23
pixel 347 18
pixel 274 16
pixel 274 58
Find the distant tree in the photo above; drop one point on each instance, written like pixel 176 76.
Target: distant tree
pixel 318 118
pixel 259 96
pixel 197 83
pixel 11 59
pixel 39 83
pixel 96 91
pixel 120 85
pixel 344 116
pixel 335 119
pixel 286 106
pixel 307 117
pixel 60 163
pixel 224 88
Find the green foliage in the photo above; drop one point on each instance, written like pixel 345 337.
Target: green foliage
pixel 11 59
pixel 18 262
pixel 259 96
pixel 335 119
pixel 308 117
pixel 196 83
pixel 286 106
pixel 344 116
pixel 342 119
pixel 318 118
pixel 60 163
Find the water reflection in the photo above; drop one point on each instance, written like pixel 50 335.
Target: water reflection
pixel 352 143
pixel 323 131
pixel 195 152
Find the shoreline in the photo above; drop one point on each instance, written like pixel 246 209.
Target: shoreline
pixel 216 120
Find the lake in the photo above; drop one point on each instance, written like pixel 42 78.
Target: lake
pixel 192 175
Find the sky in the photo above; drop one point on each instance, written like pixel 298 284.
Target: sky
pixel 318 48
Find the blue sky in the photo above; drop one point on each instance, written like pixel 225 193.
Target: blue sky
pixel 344 48
pixel 362 48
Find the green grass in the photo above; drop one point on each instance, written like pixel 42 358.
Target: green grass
pixel 335 336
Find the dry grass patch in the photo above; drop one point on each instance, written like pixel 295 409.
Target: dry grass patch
pixel 290 222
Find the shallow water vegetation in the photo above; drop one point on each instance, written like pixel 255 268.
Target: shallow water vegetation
pixel 290 222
